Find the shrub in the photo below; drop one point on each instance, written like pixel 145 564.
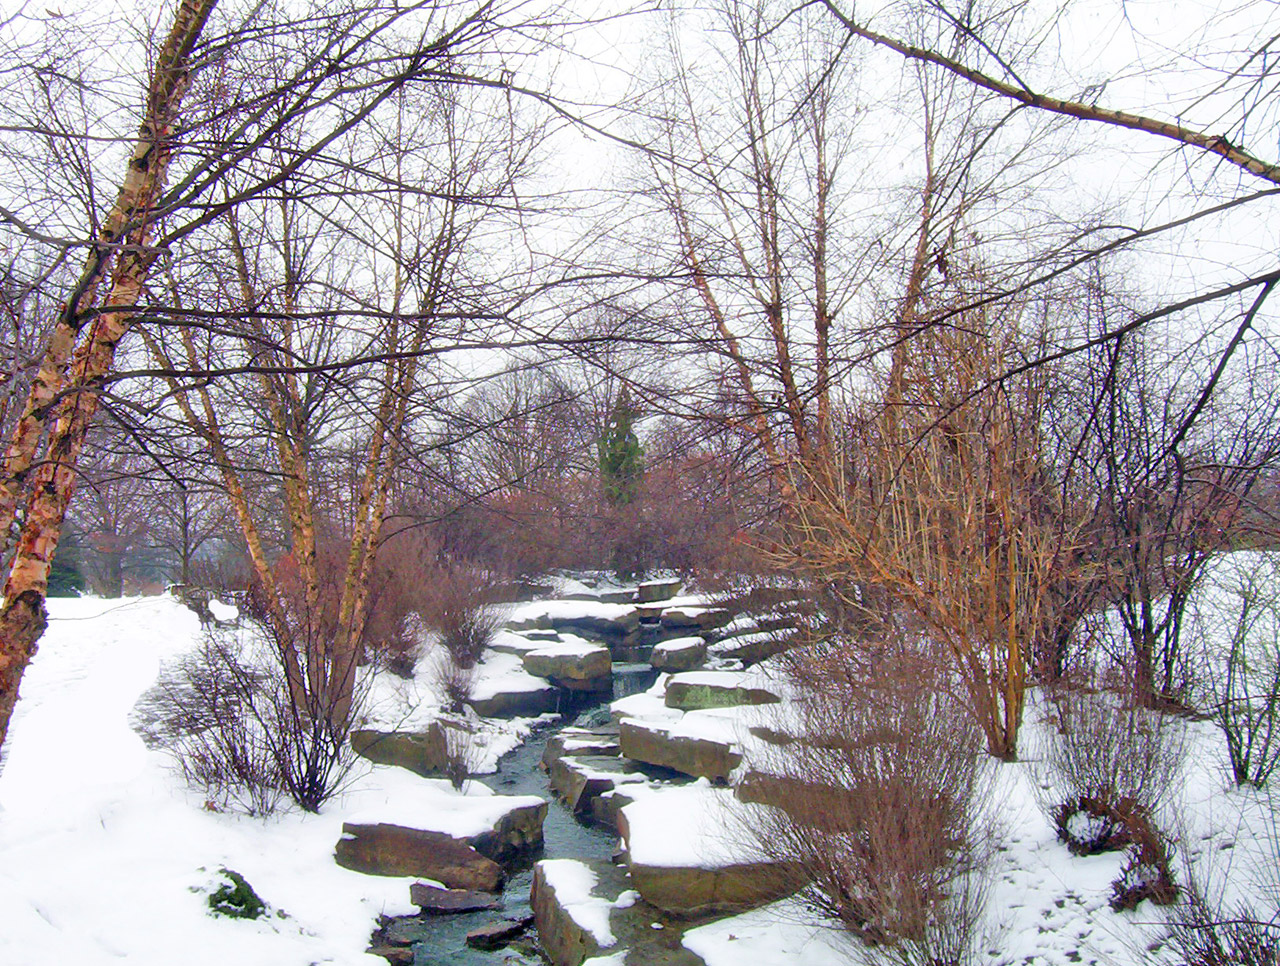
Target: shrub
pixel 1108 767
pixel 877 805
pixel 458 607
pixel 228 719
pixel 1236 619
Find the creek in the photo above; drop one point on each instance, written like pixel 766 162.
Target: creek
pixel 440 940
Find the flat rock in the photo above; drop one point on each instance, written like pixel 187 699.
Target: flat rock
pixel 701 690
pixel 689 892
pixel 424 752
pixel 580 780
pixel 755 647
pixel 514 835
pixel 695 851
pixel 516 703
pixel 565 941
pixel 572 742
pixel 655 590
pixel 495 935
pixel 700 618
pixel 679 654
pixel 383 849
pixel 442 902
pixel 585 667
pixel 395 955
pixel 656 743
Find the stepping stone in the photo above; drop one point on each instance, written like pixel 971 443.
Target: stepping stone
pixel 692 851
pixel 755 647
pixel 580 780
pixel 498 934
pixel 396 850
pixel 442 902
pixel 700 618
pixel 573 923
pixel 573 742
pixel 423 752
pixel 652 591
pixel 578 666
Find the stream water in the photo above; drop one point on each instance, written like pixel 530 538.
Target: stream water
pixel 441 940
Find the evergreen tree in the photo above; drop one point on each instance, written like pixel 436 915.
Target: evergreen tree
pixel 621 457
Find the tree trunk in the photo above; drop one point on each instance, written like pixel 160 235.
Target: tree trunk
pixel 123 250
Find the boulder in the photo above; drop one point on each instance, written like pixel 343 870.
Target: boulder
pixel 679 654
pixel 597 625
pixel 495 935
pixel 533 622
pixel 755 647
pixel 687 891
pixel 565 938
pixel 695 851
pixel 442 902
pixel 395 955
pixel 424 752
pixel 571 742
pixel 585 667
pixel 383 849
pixel 698 618
pixel 659 743
pixel 655 590
pixel 516 702
pixel 578 781
pixel 701 690
pixel 516 833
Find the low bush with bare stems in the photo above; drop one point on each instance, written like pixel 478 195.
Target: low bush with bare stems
pixel 1107 768
pixel 225 714
pixel 1235 620
pixel 877 804
pixel 458 607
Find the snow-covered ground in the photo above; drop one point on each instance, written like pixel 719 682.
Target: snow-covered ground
pixel 104 851
pixel 101 844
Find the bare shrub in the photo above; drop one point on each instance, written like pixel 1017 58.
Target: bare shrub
pixel 1236 620
pixel 877 803
pixel 227 717
pixel 1105 763
pixel 1108 768
pixel 462 753
pixel 458 607
pixel 454 684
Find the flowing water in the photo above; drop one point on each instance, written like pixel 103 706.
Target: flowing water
pixel 441 940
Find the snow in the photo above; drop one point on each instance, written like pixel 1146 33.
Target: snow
pixel 781 934
pixel 573 881
pixel 678 644
pixel 223 612
pixel 570 609
pixel 101 844
pixel 574 648
pixel 504 674
pixel 690 826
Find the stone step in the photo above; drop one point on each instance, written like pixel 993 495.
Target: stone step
pixel 580 741
pixel 665 744
pixel 569 917
pixel 579 780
